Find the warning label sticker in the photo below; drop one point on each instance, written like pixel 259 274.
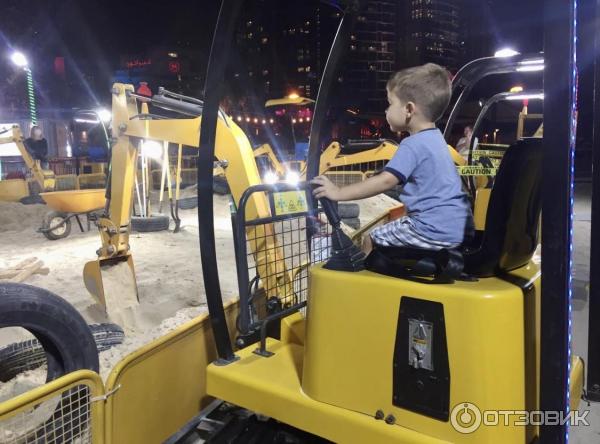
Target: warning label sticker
pixel 289 202
pixel 476 171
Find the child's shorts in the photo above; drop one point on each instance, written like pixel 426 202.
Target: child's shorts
pixel 401 233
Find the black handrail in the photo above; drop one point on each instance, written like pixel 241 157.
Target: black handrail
pixel 221 46
pixel 470 74
pixel 593 362
pixel 484 110
pixel 557 208
pixel 336 54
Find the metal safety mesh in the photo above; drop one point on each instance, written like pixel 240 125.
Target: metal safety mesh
pixel 278 257
pixel 349 174
pixel 65 418
pixel 66 182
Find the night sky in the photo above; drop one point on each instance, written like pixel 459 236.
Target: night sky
pixel 103 29
pixel 97 32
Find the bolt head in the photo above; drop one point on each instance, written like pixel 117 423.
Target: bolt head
pixel 390 419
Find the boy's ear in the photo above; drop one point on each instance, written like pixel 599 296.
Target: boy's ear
pixel 410 107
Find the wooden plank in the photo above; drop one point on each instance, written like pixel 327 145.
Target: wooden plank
pixel 25 273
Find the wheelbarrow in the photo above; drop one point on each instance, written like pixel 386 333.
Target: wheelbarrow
pixel 67 205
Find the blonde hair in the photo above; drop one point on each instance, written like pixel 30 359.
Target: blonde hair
pixel 428 86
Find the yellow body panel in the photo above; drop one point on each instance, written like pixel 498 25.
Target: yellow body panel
pixel 577 382
pixel 13 190
pixel 485 338
pixel 272 387
pixel 266 150
pixel 75 201
pixel 162 385
pixel 332 382
pixel 331 158
pixel 482 199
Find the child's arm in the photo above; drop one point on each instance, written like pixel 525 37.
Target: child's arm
pixel 373 186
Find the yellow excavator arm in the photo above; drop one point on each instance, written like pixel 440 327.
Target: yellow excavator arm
pixel 130 128
pixel 45 178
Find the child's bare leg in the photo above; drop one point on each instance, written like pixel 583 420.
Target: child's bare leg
pixel 367 244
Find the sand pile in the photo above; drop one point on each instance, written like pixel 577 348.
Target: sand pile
pixel 22 383
pixel 15 216
pixel 111 357
pixel 167 267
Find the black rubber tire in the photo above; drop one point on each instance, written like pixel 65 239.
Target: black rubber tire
pixel 63 333
pixel 348 210
pixel 156 222
pixel 187 203
pixel 220 186
pixel 48 222
pixel 67 342
pixel 28 355
pixel 33 199
pixel 352 222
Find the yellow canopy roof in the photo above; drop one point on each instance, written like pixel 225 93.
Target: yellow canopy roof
pixel 289 100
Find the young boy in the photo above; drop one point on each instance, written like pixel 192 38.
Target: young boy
pixel 438 211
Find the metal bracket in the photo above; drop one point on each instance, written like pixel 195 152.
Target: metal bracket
pixel 106 395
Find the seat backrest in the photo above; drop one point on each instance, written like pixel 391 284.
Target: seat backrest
pixel 511 228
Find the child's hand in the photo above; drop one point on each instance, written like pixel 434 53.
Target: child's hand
pixel 325 188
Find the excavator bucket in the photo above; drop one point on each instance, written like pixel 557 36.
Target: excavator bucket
pixel 112 283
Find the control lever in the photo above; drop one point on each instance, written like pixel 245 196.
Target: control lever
pixel 330 210
pixel 345 256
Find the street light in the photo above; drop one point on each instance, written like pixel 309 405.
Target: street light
pixel 19 59
pixel 506 52
pixel 104 115
pixel 496 131
pixel 152 149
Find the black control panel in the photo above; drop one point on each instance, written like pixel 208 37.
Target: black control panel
pixel 421 372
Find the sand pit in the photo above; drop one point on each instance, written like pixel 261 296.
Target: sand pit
pixel 16 217
pixel 167 268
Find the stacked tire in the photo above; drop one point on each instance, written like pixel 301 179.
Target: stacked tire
pixel 28 355
pixel 155 222
pixel 349 213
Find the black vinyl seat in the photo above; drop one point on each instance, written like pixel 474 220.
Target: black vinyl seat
pixel 511 230
pixel 443 265
pixel 512 220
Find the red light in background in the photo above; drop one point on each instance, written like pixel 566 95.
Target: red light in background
pixel 174 66
pixel 59 66
pixel 144 89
